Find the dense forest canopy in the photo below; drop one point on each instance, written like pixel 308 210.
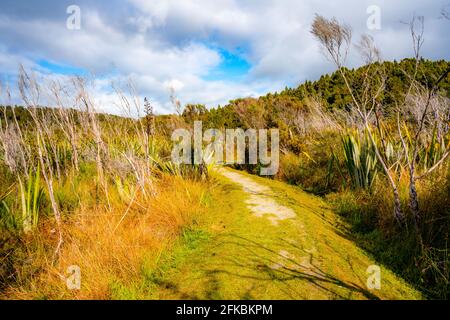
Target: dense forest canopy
pixel 331 91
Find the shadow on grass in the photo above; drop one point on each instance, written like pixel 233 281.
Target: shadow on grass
pixel 255 263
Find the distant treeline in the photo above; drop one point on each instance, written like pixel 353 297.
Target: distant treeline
pixel 329 89
pixel 23 116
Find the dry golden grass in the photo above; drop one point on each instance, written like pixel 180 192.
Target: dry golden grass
pixel 109 246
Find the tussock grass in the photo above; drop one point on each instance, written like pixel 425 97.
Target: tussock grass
pixel 109 247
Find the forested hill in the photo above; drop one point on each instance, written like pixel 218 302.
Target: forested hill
pixel 331 88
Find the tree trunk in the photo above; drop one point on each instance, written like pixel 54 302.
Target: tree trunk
pixel 397 207
pixel 414 202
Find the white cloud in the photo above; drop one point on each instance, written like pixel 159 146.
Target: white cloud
pixel 160 44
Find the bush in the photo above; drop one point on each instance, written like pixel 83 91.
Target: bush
pixel 370 218
pixel 316 168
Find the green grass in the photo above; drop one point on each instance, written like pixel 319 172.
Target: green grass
pixel 154 272
pixel 230 253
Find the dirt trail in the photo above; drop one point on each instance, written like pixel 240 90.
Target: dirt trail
pixel 263 239
pixel 260 201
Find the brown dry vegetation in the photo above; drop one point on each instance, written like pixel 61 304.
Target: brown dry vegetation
pixel 108 247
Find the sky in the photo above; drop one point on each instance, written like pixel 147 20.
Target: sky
pixel 207 51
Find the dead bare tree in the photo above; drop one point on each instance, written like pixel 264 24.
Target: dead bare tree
pixel 30 93
pixel 65 118
pixel 131 107
pixel 422 103
pixel 16 152
pixel 92 122
pixel 335 39
pixel 418 101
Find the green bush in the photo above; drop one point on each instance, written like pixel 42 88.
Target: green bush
pixel 360 159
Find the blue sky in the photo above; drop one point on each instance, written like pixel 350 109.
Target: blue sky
pixel 55 68
pixel 232 66
pixel 207 51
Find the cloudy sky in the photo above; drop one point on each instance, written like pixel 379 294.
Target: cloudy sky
pixel 209 51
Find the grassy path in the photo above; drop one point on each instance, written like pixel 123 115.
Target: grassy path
pixel 263 239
